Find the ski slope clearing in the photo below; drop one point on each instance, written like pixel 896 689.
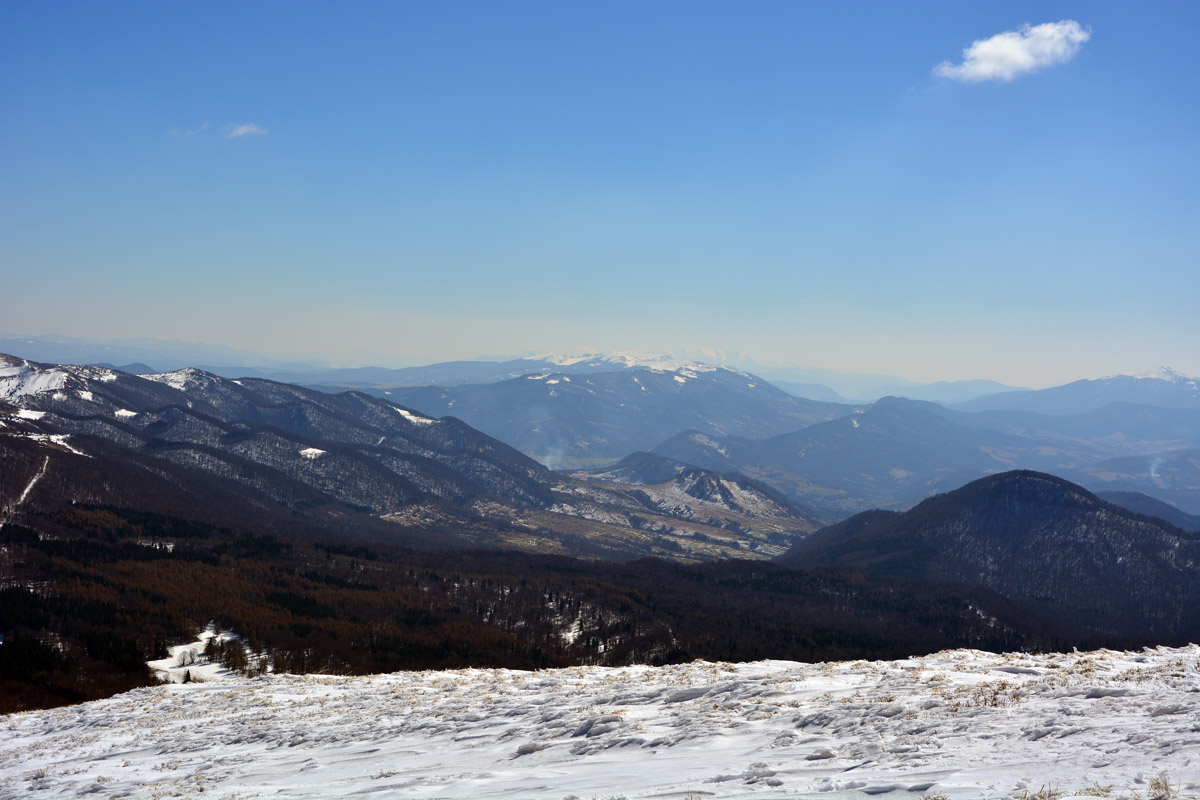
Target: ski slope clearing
pixel 959 723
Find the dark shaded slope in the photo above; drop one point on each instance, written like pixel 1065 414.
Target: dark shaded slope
pixel 1038 540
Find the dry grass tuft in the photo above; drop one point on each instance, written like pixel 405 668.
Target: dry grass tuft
pixel 1161 788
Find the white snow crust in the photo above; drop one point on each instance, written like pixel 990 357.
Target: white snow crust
pixel 28 413
pixel 312 453
pixel 963 724
pixel 125 413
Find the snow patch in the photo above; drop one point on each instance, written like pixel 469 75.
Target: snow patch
pixel 59 439
pixel 29 413
pixel 125 413
pixel 312 453
pixel 706 441
pixel 411 417
pixel 188 662
pixel 86 395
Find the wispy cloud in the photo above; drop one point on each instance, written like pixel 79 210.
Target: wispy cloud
pixel 189 131
pixel 1011 54
pixel 245 129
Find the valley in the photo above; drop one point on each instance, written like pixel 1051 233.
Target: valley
pixel 346 534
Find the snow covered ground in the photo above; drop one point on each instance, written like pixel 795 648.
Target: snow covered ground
pixel 956 724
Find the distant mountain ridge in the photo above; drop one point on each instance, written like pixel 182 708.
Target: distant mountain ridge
pixel 1142 503
pixel 565 419
pixel 1160 386
pixel 809 382
pixel 456 373
pixel 896 451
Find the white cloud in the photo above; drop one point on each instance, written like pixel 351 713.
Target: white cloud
pixel 1014 53
pixel 245 129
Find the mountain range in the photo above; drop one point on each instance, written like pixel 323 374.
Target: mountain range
pixel 574 420
pixel 1161 386
pixel 1128 433
pixel 370 458
pixel 344 532
pixel 896 451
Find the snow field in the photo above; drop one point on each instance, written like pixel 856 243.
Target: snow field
pixel 958 723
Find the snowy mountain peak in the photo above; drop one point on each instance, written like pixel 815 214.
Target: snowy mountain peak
pixel 626 360
pixel 20 378
pixel 1161 373
pixel 183 379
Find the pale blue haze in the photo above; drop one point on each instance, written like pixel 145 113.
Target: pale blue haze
pixel 444 179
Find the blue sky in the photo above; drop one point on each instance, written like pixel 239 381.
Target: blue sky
pixel 401 183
